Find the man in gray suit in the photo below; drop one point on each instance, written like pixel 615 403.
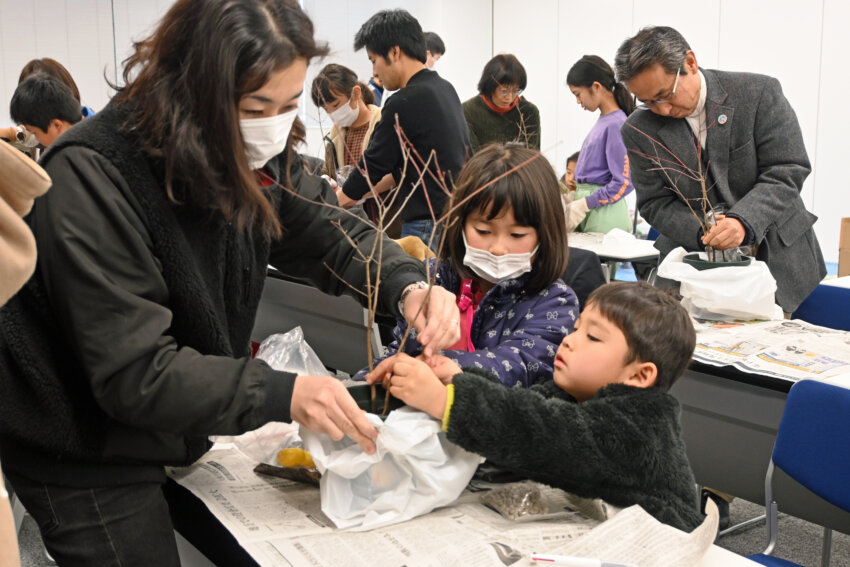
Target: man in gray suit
pixel 750 154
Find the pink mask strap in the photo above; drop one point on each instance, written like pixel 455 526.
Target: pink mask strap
pixel 467 311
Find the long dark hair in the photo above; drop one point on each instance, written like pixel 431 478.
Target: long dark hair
pixel 593 69
pixel 184 84
pixel 530 189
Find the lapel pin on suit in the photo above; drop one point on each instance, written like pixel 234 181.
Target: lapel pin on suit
pixel 722 119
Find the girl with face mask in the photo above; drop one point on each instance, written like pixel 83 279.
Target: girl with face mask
pixel 503 255
pixel 349 104
pixel 130 345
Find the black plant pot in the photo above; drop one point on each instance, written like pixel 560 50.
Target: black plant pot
pixel 700 264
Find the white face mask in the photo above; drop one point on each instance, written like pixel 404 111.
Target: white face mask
pixel 266 137
pixel 344 116
pixel 496 269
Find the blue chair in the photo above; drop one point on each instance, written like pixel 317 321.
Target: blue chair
pixel 828 306
pixel 810 464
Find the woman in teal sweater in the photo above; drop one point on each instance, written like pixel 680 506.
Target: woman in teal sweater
pixel 499 113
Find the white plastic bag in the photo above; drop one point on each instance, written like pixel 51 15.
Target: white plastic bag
pixel 726 293
pixel 263 444
pixel 414 470
pixel 289 352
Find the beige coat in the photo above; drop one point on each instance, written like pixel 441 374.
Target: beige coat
pixel 21 181
pixel 335 150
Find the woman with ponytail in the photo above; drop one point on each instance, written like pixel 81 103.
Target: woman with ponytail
pixel 350 106
pixel 602 172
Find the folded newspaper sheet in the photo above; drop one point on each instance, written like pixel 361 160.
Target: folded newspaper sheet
pixel 279 522
pixel 791 349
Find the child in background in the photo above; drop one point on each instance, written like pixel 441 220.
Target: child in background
pixel 602 171
pixel 568 181
pixel 58 71
pixel 603 427
pixel 504 252
pixel 44 106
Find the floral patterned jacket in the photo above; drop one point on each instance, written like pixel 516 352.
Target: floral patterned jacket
pixel 515 334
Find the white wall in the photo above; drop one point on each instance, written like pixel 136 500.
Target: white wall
pixel 465 27
pixel 77 33
pixel 803 44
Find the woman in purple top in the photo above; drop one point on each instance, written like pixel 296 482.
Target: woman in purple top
pixel 602 172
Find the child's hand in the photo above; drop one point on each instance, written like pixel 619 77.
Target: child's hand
pixel 444 367
pixel 382 372
pixel 413 382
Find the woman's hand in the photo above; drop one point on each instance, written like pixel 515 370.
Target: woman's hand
pixel 438 323
pixel 413 382
pixel 322 404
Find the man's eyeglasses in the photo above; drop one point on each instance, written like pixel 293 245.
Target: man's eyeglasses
pixel 666 98
pixel 508 91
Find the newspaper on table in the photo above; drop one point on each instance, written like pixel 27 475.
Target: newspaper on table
pixel 634 537
pixel 790 349
pixel 252 507
pixel 280 523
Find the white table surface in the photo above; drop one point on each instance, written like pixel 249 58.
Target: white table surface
pixel 837 282
pixel 622 247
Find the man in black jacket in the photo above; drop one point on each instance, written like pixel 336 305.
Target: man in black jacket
pixel 428 113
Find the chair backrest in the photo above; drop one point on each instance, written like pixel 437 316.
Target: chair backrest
pixel 813 441
pixel 583 274
pixel 336 328
pixel 828 306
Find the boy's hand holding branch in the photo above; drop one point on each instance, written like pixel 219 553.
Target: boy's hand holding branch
pixel 415 382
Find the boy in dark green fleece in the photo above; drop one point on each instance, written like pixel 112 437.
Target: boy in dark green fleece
pixel 604 427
